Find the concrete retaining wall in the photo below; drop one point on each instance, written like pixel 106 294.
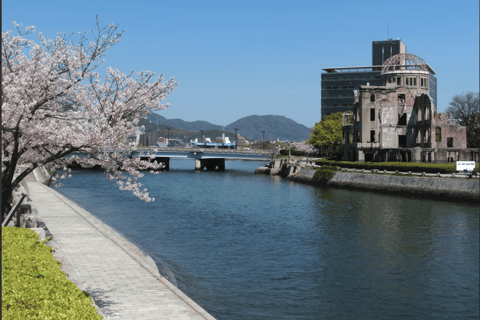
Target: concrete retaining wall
pixel 466 189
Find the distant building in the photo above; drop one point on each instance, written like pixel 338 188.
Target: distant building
pixel 338 84
pixel 222 139
pixel 397 120
pixel 240 140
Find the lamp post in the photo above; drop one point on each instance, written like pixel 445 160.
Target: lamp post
pixel 168 135
pixel 263 140
pixel 201 135
pixel 236 140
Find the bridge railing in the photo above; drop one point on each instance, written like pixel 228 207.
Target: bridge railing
pixel 211 150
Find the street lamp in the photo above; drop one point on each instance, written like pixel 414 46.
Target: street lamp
pixel 168 135
pixel 201 135
pixel 263 139
pixel 236 140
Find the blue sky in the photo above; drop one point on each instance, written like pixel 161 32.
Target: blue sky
pixel 237 58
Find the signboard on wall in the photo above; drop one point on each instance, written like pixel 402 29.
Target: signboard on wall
pixel 465 165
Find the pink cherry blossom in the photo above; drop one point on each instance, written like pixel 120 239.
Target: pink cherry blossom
pixel 56 108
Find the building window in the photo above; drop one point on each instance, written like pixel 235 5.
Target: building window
pixel 399 81
pixel 372 98
pixel 372 135
pixel 411 81
pixel 415 82
pixel 450 142
pixel 402 120
pixel 402 141
pixel 401 97
pixel 438 134
pixel 372 114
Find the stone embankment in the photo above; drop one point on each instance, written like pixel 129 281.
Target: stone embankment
pixel 451 186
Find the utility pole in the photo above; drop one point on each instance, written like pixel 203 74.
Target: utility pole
pixel 201 136
pixel 168 135
pixel 236 138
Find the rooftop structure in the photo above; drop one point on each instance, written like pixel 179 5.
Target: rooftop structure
pixel 338 84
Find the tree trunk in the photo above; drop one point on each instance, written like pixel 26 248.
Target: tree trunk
pixel 9 185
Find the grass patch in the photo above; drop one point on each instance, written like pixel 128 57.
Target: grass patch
pixel 392 166
pixel 33 286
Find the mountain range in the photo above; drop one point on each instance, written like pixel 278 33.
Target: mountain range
pixel 250 127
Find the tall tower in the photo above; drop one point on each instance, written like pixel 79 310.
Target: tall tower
pixel 382 50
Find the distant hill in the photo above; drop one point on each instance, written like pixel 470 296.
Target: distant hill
pixel 275 127
pixel 249 127
pixel 183 125
pixel 162 130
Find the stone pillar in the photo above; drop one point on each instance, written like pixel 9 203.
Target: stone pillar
pixel 198 164
pixel 360 156
pixel 416 155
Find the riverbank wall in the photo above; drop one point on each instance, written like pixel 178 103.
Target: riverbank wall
pixel 444 186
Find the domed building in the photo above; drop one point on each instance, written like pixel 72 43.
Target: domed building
pixel 398 120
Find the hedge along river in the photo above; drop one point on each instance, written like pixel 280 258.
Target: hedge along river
pixel 247 246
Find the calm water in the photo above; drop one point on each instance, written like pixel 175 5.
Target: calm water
pixel 247 246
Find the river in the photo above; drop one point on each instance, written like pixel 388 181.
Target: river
pixel 247 246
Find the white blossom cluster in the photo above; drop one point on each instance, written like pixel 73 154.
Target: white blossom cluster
pixel 57 109
pixel 301 146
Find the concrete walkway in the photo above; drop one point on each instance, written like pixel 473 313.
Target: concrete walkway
pixel 123 281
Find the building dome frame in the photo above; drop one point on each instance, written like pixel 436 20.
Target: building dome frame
pixel 404 63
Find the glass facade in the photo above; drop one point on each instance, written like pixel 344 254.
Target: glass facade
pixel 337 88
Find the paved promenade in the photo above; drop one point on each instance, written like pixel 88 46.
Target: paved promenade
pixel 122 280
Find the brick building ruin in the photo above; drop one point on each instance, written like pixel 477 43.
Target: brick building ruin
pixel 398 120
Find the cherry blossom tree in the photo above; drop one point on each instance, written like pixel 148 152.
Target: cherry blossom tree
pixel 56 108
pixel 302 146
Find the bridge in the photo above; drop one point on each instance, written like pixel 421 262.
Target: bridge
pixel 205 158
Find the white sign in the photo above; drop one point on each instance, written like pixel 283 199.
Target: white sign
pixel 465 165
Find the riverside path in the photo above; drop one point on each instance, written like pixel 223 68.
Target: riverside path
pixel 123 281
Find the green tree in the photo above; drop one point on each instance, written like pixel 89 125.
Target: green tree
pixel 465 111
pixel 327 135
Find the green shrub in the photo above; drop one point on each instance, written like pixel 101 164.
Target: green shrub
pixel 392 166
pixel 33 286
pixel 325 173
